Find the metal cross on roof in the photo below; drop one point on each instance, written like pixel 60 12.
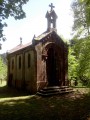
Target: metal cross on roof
pixel 51 5
pixel 20 40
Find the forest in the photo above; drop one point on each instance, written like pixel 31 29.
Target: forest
pixel 16 104
pixel 79 45
pixel 3 67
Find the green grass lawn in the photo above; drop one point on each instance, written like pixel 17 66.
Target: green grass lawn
pixel 14 105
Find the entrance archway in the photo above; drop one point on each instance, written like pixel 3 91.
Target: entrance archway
pixel 52 67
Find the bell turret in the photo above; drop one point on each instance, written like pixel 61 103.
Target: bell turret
pixel 51 19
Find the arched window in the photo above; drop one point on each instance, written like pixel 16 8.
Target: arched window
pixel 12 64
pixel 19 62
pixel 29 60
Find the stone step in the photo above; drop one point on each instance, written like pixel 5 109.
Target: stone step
pixel 51 87
pixel 55 87
pixel 51 94
pixel 49 91
pixel 47 94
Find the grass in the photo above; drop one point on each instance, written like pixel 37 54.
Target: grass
pixel 16 106
pixel 6 92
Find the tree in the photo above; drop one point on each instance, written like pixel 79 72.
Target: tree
pixel 80 51
pixel 3 70
pixel 81 9
pixel 11 8
pixel 81 40
pixel 72 65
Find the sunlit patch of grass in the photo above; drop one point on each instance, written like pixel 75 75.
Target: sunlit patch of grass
pixel 82 90
pixel 3 83
pixel 17 105
pixel 49 108
pixel 15 98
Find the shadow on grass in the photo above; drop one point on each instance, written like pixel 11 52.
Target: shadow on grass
pixel 71 106
pixel 6 92
pixel 47 108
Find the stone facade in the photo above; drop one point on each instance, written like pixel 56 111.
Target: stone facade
pixel 42 63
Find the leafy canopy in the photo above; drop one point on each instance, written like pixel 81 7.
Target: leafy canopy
pixel 72 65
pixel 81 40
pixel 3 70
pixel 81 9
pixel 11 8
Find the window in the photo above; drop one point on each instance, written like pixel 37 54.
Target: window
pixel 12 64
pixel 19 62
pixel 29 60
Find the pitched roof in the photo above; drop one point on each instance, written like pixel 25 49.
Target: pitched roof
pixel 42 35
pixel 19 47
pixel 46 34
pixel 39 38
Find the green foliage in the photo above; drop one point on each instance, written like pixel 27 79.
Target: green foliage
pixel 81 9
pixel 81 59
pixel 11 8
pixel 72 64
pixel 3 70
pixel 84 57
pixel 81 40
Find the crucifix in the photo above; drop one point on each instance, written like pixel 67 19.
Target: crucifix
pixel 20 40
pixel 51 5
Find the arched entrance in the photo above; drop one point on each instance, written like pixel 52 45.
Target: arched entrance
pixel 52 67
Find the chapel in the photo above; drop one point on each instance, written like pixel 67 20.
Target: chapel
pixel 41 63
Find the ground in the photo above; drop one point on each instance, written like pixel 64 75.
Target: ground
pixel 16 105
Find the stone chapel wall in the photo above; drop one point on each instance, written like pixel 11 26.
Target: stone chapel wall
pixel 41 80
pixel 19 70
pixel 12 70
pixel 30 73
